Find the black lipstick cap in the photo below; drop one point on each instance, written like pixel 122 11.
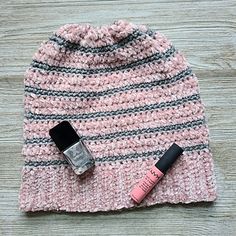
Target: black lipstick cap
pixel 170 156
pixel 64 135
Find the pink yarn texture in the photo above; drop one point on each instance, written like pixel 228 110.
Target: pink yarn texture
pixel 130 94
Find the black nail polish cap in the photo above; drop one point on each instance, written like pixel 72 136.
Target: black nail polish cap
pixel 170 156
pixel 64 135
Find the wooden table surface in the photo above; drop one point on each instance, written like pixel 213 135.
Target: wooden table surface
pixel 205 31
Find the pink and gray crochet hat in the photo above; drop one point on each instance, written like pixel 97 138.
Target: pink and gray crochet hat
pixel 129 94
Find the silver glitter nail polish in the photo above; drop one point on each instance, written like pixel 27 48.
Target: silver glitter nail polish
pixel 73 148
pixel 79 157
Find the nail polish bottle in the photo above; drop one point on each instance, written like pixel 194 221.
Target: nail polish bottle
pixel 154 175
pixel 73 148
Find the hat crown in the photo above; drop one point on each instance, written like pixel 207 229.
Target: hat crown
pixel 89 35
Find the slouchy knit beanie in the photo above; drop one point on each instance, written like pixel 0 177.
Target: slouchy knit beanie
pixel 130 94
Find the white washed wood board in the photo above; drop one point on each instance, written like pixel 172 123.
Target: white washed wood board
pixel 205 31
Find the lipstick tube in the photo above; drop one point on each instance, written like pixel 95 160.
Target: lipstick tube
pixel 154 175
pixel 73 148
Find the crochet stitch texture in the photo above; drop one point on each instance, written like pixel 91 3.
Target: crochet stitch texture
pixel 129 94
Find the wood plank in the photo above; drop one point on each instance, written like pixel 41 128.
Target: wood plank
pixel 190 30
pixel 205 31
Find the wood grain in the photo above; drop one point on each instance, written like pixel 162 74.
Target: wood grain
pixel 204 30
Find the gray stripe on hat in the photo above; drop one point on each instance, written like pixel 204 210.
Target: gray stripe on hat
pixel 136 132
pixel 128 133
pixel 86 95
pixel 130 156
pixel 155 57
pixel 136 34
pixel 35 116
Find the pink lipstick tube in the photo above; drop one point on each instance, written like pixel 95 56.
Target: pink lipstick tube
pixel 153 176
